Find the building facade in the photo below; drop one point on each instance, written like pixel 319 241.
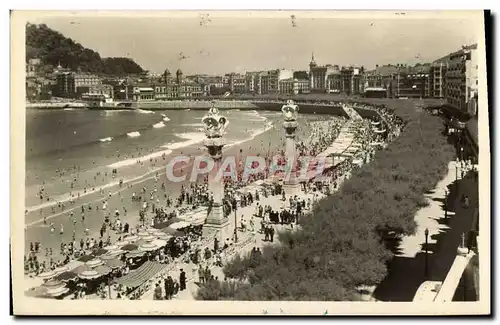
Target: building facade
pixel 237 83
pixel 166 88
pixel 461 86
pixel 72 85
pixel 293 86
pixel 437 75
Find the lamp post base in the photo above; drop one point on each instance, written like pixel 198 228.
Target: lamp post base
pixel 291 189
pixel 222 231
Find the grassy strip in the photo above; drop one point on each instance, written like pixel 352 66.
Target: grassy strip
pixel 342 244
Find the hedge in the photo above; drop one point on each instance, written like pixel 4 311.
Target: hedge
pixel 343 243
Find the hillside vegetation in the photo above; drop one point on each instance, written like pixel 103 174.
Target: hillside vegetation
pixel 53 48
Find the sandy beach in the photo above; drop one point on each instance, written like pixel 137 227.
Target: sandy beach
pixel 268 142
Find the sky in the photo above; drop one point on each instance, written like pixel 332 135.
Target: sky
pixel 216 44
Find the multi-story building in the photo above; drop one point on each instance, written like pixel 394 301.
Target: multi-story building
pixel 32 67
pixel 71 84
pixel 274 78
pixel 437 75
pixel 400 80
pixel 318 75
pixel 167 88
pixel 293 86
pixel 254 83
pixel 209 82
pixel 237 83
pixel 413 82
pixel 351 80
pixel 461 86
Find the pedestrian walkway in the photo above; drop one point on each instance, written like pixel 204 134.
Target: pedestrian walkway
pixel 407 270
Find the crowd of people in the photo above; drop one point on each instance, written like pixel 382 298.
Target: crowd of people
pixel 320 135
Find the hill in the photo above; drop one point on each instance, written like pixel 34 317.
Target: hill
pixel 53 48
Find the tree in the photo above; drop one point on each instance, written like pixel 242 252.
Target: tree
pixel 54 49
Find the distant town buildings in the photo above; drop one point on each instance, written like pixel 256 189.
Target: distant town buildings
pixel 452 77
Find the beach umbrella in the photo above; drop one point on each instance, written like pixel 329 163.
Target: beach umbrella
pixel 89 275
pixel 148 247
pixel 151 230
pixel 111 248
pixel 157 233
pixel 179 225
pixel 94 263
pixel 172 232
pixel 107 257
pixel 57 291
pixel 114 263
pixel 47 275
pixel 66 276
pixel 53 284
pixel 159 242
pixel 122 243
pixel 142 234
pixel 73 264
pixel 136 253
pixel 61 269
pixel 148 238
pixel 103 269
pixel 131 238
pixel 129 247
pixel 198 221
pixel 100 252
pixel 81 268
pixel 163 236
pixel 86 258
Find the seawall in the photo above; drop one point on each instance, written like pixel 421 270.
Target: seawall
pixel 195 105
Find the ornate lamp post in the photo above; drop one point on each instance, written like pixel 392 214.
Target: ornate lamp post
pixel 235 209
pixel 426 252
pixel 290 113
pixel 214 126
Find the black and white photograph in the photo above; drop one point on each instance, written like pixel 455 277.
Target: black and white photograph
pixel 250 163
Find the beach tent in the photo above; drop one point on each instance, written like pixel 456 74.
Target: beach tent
pixel 142 234
pixel 103 269
pixel 66 276
pixel 172 232
pixel 61 269
pixel 136 253
pixel 167 223
pixel 130 247
pixel 56 292
pixel 131 238
pixel 53 284
pixel 148 247
pixel 198 221
pixel 121 243
pixel 86 258
pixel 94 263
pixel 107 257
pixel 73 264
pixel 144 273
pixel 164 236
pixel 89 275
pixel 114 263
pixel 47 275
pixel 179 225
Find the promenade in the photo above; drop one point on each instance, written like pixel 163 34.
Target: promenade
pixel 249 239
pixel 444 238
pixel 345 142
